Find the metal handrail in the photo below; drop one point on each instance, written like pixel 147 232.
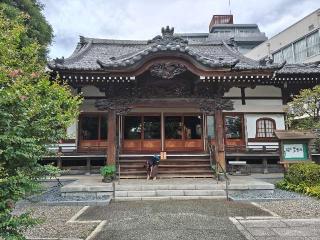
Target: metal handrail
pixel 211 150
pixel 118 160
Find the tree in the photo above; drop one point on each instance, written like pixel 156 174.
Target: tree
pixel 304 112
pixel 37 28
pixel 304 109
pixel 34 112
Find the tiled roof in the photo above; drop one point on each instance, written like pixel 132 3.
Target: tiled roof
pixel 105 54
pixel 303 68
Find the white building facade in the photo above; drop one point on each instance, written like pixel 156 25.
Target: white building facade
pixel 299 43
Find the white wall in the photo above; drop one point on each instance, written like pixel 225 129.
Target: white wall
pixel 259 105
pixel 263 91
pixel 233 92
pixel 250 126
pixel 91 91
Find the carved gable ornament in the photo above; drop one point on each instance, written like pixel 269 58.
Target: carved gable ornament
pixel 168 38
pixel 167 70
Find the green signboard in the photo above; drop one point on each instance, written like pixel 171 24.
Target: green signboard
pixel 295 151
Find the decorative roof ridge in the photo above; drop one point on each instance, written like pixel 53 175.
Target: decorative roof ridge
pixel 82 46
pixel 292 68
pixel 249 61
pixel 309 64
pixel 112 41
pixel 207 43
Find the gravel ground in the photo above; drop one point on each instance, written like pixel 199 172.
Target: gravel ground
pixel 53 195
pixel 183 220
pixel 54 222
pixel 278 194
pixel 299 208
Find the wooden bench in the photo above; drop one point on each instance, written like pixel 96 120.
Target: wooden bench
pixel 239 168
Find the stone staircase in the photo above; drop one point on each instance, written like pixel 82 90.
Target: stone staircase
pixel 175 166
pixel 166 191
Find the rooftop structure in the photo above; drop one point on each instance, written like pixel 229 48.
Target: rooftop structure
pixel 222 27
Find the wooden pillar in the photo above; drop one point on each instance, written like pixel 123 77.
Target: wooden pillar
pixel 112 128
pixel 220 151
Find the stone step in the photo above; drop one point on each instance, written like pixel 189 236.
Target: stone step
pixel 168 171
pixel 167 176
pixel 154 187
pixel 164 193
pixel 183 161
pixel 163 198
pixel 125 166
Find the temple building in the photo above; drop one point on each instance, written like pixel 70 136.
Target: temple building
pixel 174 95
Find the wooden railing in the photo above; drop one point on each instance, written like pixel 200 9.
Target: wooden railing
pixel 252 148
pixel 67 148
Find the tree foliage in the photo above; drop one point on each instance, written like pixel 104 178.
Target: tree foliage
pixel 34 111
pixel 37 27
pixel 304 109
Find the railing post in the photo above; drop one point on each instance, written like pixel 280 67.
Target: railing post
pixel 265 165
pixel 88 166
pixel 59 160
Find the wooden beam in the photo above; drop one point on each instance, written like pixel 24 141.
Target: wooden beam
pixel 112 126
pixel 220 151
pixel 243 96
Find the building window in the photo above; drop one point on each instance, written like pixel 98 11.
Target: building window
pixel 132 127
pixel 173 127
pixel 288 54
pixel 233 127
pixel 93 127
pixel 313 44
pixel 265 128
pixel 277 57
pixel 193 127
pixel 300 50
pixel 152 127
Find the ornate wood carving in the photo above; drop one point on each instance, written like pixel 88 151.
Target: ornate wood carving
pixel 208 106
pixel 121 106
pixel 168 38
pixel 167 70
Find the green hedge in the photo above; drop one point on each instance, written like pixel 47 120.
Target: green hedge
pixel 308 173
pixel 302 178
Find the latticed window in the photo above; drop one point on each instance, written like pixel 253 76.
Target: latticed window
pixel 265 128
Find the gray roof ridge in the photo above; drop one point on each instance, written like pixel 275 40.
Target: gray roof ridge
pixel 114 41
pixel 75 55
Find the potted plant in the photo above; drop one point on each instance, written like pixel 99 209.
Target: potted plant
pixel 108 173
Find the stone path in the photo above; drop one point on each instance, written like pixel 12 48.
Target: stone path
pixel 278 228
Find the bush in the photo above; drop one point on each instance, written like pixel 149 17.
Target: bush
pixel 303 178
pixel 303 173
pixel 108 171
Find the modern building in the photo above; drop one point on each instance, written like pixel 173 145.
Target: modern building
pixel 176 96
pixel 299 43
pixel 222 28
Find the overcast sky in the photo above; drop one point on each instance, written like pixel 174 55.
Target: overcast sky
pixel 143 19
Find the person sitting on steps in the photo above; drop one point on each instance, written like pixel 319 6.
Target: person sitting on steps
pixel 152 167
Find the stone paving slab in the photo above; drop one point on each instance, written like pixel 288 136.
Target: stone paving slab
pixel 279 229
